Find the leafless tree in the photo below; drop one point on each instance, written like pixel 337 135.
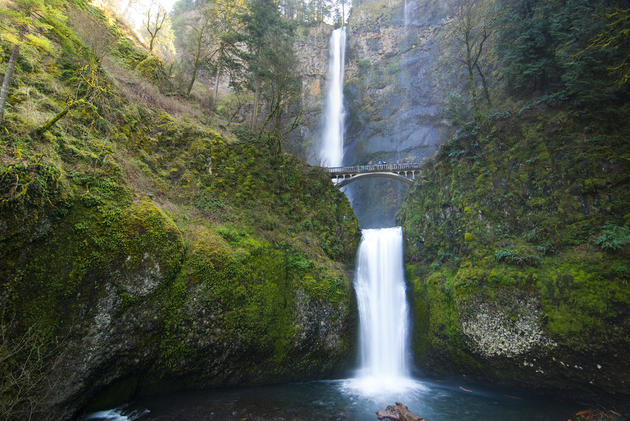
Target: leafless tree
pixel 473 25
pixel 154 23
pixel 27 358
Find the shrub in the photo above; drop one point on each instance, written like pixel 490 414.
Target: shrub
pixel 613 237
pixel 512 257
pixel 151 69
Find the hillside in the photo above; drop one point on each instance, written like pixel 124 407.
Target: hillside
pixel 517 234
pixel 148 245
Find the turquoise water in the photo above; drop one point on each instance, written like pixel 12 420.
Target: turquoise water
pixel 338 400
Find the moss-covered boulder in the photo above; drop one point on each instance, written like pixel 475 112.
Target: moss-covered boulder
pixel 120 300
pixel 518 255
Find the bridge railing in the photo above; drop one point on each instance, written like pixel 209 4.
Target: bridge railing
pixel 374 168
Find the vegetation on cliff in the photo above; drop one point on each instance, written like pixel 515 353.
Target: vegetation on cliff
pixel 146 243
pixel 517 234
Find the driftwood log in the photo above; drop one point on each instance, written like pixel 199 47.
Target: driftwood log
pixel 398 412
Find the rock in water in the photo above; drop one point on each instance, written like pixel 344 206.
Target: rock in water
pixel 398 412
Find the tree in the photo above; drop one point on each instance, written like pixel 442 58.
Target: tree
pixel 23 26
pixel 199 33
pixel 27 358
pixel 208 38
pixel 473 25
pixel 567 51
pixel 154 24
pixel 270 62
pixel 89 89
pixel 615 37
pixel 228 34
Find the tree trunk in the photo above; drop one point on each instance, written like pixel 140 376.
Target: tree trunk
pixel 192 81
pixel 47 125
pixel 6 82
pixel 484 84
pixel 471 77
pixel 256 101
pixel 216 82
pixel 195 62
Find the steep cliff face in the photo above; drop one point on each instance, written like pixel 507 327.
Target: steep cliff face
pixel 127 301
pixel 394 94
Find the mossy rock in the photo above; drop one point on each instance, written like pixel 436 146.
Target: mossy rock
pixel 503 216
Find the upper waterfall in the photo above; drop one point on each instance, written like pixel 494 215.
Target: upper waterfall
pixel 331 151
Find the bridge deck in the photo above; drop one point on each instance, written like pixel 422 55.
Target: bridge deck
pixel 362 169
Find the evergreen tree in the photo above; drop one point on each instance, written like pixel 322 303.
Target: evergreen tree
pixel 270 62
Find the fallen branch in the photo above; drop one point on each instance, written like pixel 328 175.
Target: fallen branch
pixel 398 412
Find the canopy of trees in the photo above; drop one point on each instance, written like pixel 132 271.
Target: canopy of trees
pixel 574 52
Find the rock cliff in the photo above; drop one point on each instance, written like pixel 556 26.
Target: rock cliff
pixel 394 94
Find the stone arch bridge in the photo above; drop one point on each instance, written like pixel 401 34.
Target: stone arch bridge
pixel 406 172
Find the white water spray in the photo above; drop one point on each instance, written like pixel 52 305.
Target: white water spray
pixel 383 315
pixel 331 152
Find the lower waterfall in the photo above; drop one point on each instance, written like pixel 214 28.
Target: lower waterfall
pixel 383 313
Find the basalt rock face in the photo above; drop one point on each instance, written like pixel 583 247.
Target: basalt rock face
pixel 394 94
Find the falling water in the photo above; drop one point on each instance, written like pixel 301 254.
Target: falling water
pixel 331 152
pixel 379 283
pixel 383 319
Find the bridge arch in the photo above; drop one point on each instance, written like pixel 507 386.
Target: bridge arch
pixel 347 180
pixel 405 172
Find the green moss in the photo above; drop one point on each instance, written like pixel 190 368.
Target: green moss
pixel 106 243
pixel 84 228
pixel 523 206
pixel 151 69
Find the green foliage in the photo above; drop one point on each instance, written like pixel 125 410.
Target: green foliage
pixel 613 237
pixel 565 51
pixel 616 37
pixel 151 69
pixel 514 257
pixel 270 61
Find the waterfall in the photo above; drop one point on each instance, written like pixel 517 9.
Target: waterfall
pixel 383 315
pixel 409 12
pixel 331 152
pixel 380 287
pixel 379 281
